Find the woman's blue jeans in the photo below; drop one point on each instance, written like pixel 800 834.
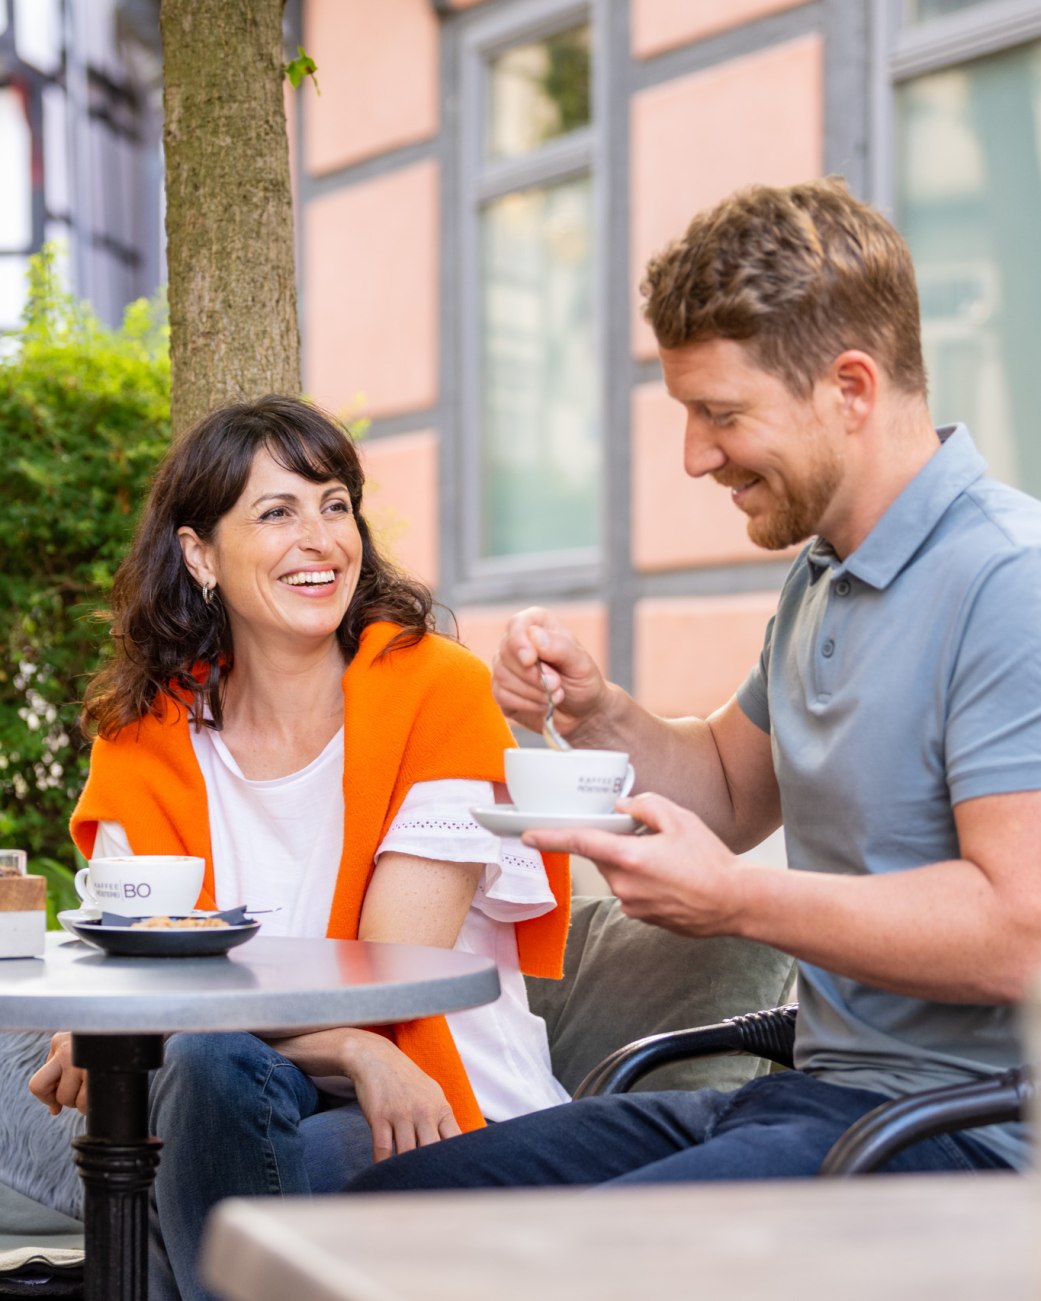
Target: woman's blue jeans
pixel 237 1119
pixel 777 1127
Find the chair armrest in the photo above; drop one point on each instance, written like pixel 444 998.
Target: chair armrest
pixel 770 1034
pixel 879 1134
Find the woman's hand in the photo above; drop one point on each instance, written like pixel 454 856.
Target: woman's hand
pixel 405 1108
pixel 58 1083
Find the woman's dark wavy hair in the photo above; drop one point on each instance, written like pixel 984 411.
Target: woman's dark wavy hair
pixel 168 642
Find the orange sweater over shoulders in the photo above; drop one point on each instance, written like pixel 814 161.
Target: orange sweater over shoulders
pixel 420 713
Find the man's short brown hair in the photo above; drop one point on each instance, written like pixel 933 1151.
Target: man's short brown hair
pixel 799 274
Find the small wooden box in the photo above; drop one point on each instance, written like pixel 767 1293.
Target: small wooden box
pixel 23 916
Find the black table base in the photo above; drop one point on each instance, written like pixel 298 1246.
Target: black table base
pixel 117 1161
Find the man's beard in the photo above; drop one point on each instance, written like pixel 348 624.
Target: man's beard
pixel 794 518
pixel 797 515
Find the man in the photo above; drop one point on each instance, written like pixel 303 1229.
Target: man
pixel 893 722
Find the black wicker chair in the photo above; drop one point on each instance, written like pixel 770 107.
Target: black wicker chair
pixel 869 1143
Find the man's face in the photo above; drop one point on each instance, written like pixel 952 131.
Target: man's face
pixel 779 456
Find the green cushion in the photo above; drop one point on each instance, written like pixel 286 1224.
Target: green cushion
pixel 22 1217
pixel 624 979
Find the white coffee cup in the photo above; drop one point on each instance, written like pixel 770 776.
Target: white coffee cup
pixel 142 885
pixel 571 782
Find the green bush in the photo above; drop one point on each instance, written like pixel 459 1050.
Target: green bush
pixel 84 419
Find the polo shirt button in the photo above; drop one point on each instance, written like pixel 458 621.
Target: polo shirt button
pixel 828 649
pixel 842 587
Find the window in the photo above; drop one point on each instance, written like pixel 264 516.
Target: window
pixel 537 92
pixel 16 228
pixel 919 11
pixel 79 134
pixel 967 172
pixel 529 333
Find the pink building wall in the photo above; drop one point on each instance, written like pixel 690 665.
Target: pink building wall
pixel 378 72
pixel 692 653
pixel 677 521
pixel 658 25
pixel 371 255
pixel 481 627
pixel 758 118
pixel 401 500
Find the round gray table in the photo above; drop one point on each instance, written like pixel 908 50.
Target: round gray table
pixel 119 1009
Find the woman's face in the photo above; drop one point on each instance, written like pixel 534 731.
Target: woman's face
pixel 285 558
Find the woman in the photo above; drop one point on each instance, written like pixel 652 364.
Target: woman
pixel 280 704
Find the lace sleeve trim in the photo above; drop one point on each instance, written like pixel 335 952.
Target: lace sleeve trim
pixel 434 822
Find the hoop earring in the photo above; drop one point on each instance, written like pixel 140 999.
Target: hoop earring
pixel 208 590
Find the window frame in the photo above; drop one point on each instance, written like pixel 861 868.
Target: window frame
pixel 581 153
pixel 902 51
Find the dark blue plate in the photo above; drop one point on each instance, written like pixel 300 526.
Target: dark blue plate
pixel 124 941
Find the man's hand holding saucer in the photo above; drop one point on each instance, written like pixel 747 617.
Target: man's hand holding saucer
pixel 683 878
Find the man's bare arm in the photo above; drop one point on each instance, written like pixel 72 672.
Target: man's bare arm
pixel 966 931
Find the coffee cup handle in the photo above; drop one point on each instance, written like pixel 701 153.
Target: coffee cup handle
pixel 82 885
pixel 628 782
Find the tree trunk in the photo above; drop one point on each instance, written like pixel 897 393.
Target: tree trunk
pixel 229 208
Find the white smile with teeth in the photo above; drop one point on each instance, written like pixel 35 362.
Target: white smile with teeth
pixel 309 580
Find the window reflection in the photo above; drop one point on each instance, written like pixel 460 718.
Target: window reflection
pixel 16 208
pixel 540 447
pixel 970 193
pixel 920 11
pixel 538 92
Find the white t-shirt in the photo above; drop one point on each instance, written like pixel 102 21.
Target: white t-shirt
pixel 277 845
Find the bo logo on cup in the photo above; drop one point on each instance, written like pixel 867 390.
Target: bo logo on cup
pixel 142 884
pixel 601 784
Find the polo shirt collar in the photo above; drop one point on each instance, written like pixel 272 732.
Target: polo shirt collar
pixel 910 519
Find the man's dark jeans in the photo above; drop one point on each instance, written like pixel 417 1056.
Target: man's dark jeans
pixel 777 1127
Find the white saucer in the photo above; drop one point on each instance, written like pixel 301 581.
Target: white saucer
pixel 505 820
pixel 71 917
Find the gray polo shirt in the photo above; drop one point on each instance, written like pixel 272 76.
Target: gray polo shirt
pixel 894 685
